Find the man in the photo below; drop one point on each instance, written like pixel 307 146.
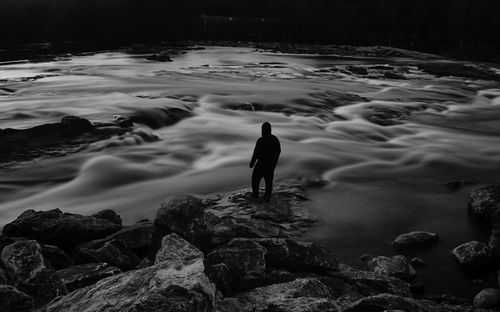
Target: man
pixel 266 153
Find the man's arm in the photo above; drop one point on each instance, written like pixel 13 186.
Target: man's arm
pixel 255 153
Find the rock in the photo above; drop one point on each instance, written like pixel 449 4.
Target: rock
pixel 161 57
pixel 56 257
pixel 30 272
pixel 146 262
pixel 13 300
pixel 418 263
pixel 224 279
pixel 173 247
pixel 5 241
pixel 83 275
pixel 245 258
pixel 484 201
pixel 227 228
pixel 416 238
pixel 76 124
pixel 63 230
pixel 115 252
pixel 3 277
pixel 138 238
pixel 488 298
pixel 306 294
pixel 298 256
pixel 358 70
pixel 473 257
pixel 166 286
pixel 123 122
pixel 384 302
pixel 441 69
pixel 394 75
pixel 110 215
pixel 397 266
pixel 182 215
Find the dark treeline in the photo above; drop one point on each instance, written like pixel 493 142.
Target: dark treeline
pixel 470 27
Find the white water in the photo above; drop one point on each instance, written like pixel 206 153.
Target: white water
pixel 384 179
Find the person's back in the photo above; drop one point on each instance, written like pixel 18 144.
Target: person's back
pixel 266 154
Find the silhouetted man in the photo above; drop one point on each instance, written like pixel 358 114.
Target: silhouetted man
pixel 266 153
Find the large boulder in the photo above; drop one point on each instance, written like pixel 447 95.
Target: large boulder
pixel 473 257
pixel 63 230
pixel 114 252
pixel 484 201
pixel 305 294
pixel 182 215
pixel 180 286
pixel 56 257
pixel 415 239
pixel 13 300
pixel 30 272
pixel 488 298
pixel 110 215
pixel 397 266
pixel 173 247
pixel 83 275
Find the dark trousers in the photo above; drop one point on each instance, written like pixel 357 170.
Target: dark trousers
pixel 257 175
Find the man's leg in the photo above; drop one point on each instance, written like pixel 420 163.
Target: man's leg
pixel 268 178
pixel 256 177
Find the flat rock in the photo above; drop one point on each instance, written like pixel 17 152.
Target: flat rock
pixel 415 239
pixel 488 298
pixel 166 286
pixel 110 215
pixel 30 272
pixel 63 230
pixel 13 300
pixel 397 266
pixel 173 247
pixel 473 256
pixel 83 275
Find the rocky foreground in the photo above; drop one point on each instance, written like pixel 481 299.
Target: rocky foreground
pixel 230 253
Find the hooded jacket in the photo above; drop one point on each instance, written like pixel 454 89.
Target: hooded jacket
pixel 267 149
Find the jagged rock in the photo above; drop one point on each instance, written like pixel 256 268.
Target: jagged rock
pixel 484 201
pixel 114 252
pixel 385 302
pixel 174 247
pixel 166 286
pixel 110 215
pixel 83 275
pixel 298 256
pixel 473 256
pixel 488 298
pixel 13 300
pixel 416 238
pixel 56 257
pixel 307 294
pixel 63 230
pixel 397 266
pixel 30 272
pixel 138 238
pixel 182 215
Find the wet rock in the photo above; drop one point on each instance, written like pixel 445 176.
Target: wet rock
pixel 166 286
pixel 156 118
pixel 418 263
pixel 115 252
pixel 83 275
pixel 173 247
pixel 160 57
pixel 488 298
pixel 307 294
pixel 13 300
pixel 182 215
pixel 397 266
pixel 394 75
pixel 110 215
pixel 384 302
pixel 484 201
pixel 456 69
pixel 75 124
pixel 358 70
pixel 63 230
pixel 245 258
pixel 298 256
pixel 415 239
pixel 473 256
pixel 30 272
pixel 138 238
pixel 123 122
pixel 56 257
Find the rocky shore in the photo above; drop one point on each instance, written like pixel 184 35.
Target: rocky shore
pixel 226 253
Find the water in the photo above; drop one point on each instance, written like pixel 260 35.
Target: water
pixel 385 180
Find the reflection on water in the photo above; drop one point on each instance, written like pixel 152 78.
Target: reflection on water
pixel 387 146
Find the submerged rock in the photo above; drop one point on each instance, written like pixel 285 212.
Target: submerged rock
pixel 397 266
pixel 83 275
pixel 13 300
pixel 473 257
pixel 63 230
pixel 416 238
pixel 488 298
pixel 30 272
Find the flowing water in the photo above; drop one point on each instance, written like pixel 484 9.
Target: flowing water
pixel 384 179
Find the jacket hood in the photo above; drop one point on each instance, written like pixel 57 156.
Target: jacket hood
pixel 266 129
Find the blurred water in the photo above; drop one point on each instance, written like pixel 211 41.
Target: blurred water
pixel 385 180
